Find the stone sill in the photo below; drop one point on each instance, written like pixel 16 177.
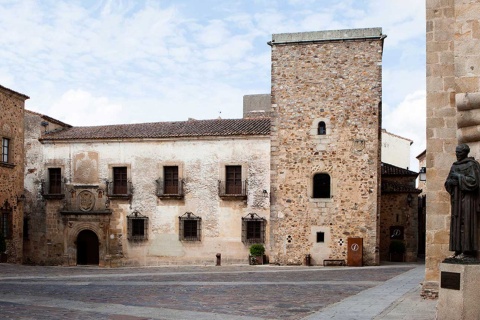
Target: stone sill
pixel 86 213
pixel 7 165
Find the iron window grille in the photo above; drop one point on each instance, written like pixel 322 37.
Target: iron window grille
pixel 253 229
pixel 190 227
pixel 137 226
pixel 6 220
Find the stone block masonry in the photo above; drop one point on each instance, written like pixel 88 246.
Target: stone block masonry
pixel 332 77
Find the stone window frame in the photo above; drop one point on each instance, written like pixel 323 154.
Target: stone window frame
pixel 247 222
pixel 310 188
pixel 129 180
pixel 11 141
pixel 46 182
pixel 161 179
pixel 132 233
pixel 314 128
pixel 191 218
pixel 223 179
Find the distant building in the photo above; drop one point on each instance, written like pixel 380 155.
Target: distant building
pixel 395 150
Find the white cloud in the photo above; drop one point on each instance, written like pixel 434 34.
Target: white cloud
pixel 79 107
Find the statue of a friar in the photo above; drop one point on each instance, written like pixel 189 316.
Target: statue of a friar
pixel 463 186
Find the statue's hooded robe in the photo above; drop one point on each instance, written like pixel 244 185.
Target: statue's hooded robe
pixel 464 204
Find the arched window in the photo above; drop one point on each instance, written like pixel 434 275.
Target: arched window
pixel 322 128
pixel 321 186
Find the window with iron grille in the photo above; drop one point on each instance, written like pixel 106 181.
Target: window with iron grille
pixel 5 150
pixel 137 226
pixel 321 186
pixel 190 227
pixel 120 182
pixel 54 180
pixel 6 220
pixel 233 183
pixel 170 185
pixel 253 229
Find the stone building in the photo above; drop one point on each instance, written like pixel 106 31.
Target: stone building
pixel 151 193
pixel 12 106
pixel 399 213
pixel 325 144
pixel 300 172
pixel 395 150
pixel 453 90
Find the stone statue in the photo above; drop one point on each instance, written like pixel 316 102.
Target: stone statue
pixel 463 186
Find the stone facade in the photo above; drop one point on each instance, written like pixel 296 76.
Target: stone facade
pixel 399 216
pixel 330 79
pixel 85 202
pixel 12 106
pixel 453 38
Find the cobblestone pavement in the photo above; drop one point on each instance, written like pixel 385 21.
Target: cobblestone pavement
pixel 183 292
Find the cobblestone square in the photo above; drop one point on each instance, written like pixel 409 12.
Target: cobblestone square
pixel 182 292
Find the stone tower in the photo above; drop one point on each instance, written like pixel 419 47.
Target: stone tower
pixel 325 144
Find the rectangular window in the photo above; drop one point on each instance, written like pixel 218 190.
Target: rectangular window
pixel 190 227
pixel 320 237
pixel 137 226
pixel 170 174
pixel 254 230
pixel 5 150
pixel 120 183
pixel 233 183
pixel 5 224
pixel 55 181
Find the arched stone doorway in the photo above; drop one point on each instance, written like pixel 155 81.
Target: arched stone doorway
pixel 87 248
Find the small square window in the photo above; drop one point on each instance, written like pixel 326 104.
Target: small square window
pixel 253 229
pixel 137 226
pixel 190 227
pixel 320 237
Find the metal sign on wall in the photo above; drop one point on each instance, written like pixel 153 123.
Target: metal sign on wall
pixel 396 232
pixel 355 252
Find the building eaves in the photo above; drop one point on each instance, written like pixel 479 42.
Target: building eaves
pixel 192 128
pixel 395 187
pixel 397 136
pixel 391 170
pixel 15 93
pixel 49 119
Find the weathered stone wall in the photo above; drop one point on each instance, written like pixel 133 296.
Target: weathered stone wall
pixel 338 82
pixel 453 39
pixel 201 164
pixel 12 106
pixel 397 211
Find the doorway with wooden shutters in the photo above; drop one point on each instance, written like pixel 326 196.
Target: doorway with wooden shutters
pixel 87 248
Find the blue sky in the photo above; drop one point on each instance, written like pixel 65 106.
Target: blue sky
pixel 104 62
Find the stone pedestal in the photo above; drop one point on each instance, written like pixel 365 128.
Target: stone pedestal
pixel 459 294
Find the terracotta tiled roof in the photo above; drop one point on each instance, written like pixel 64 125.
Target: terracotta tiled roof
pixel 191 128
pixel 391 170
pixel 394 187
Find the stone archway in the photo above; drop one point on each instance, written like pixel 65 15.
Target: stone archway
pixel 87 248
